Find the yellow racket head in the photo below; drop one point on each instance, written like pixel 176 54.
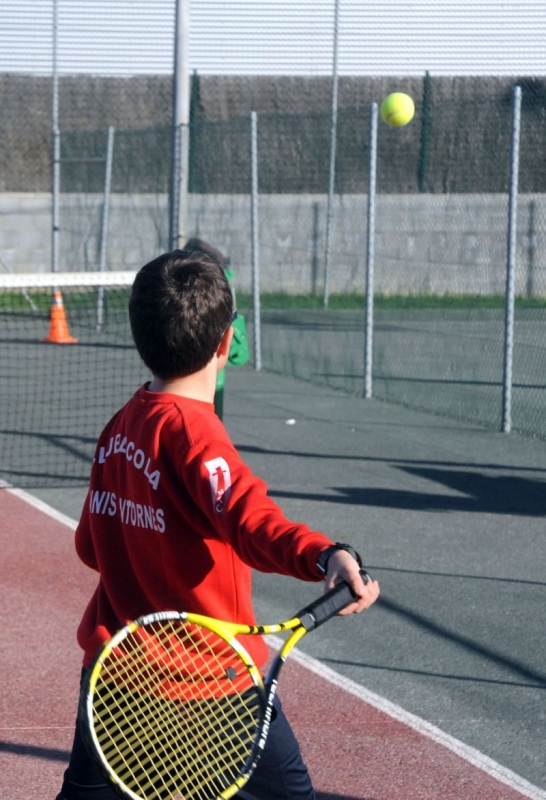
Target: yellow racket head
pixel 171 709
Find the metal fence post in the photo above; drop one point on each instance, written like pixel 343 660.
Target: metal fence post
pixel 56 192
pixel 372 177
pixel 332 172
pixel 56 145
pixel 106 198
pixel 511 261
pixel 178 201
pixel 254 227
pixel 104 221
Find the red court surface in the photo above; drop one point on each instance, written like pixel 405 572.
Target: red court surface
pixel 353 749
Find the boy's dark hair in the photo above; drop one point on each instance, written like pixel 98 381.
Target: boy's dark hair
pixel 180 307
pixel 195 245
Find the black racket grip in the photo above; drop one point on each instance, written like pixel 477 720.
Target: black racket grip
pixel 327 606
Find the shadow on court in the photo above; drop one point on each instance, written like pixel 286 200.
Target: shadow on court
pixel 485 495
pixel 322 796
pixel 527 676
pixel 32 751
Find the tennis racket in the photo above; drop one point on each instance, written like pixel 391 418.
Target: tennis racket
pixel 174 708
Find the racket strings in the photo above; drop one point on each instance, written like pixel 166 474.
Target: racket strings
pixel 157 760
pixel 163 736
pixel 164 727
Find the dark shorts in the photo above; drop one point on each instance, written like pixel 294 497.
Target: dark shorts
pixel 281 773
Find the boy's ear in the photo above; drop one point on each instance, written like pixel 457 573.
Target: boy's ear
pixel 223 347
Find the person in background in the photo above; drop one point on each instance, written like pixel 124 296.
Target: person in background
pixel 238 352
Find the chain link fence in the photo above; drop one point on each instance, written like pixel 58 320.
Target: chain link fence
pixel 113 195
pixel 441 219
pixel 441 253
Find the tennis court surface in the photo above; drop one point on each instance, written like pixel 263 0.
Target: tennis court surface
pixel 438 692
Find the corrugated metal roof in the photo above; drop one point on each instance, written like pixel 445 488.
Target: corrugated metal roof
pixel 94 36
pixel 25 36
pixel 285 37
pixel 376 37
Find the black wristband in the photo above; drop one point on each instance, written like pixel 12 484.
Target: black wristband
pixel 324 557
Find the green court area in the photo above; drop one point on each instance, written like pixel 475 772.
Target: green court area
pixel 354 300
pixel 446 360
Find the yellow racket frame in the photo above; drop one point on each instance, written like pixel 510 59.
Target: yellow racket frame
pixel 310 617
pixel 227 631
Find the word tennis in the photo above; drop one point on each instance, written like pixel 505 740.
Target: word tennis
pixel 137 514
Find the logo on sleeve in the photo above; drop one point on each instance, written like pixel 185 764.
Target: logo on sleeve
pixel 220 482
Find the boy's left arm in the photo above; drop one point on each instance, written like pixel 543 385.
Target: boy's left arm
pixel 245 516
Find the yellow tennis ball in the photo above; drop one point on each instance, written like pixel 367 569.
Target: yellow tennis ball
pixel 397 109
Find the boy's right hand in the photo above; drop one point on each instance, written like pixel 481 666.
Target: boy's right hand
pixel 343 567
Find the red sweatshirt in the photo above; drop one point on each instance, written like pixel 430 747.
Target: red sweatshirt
pixel 175 520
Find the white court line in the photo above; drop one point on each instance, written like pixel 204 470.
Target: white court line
pixel 470 754
pixel 40 505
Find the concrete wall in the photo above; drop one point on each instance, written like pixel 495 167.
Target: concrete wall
pixel 424 243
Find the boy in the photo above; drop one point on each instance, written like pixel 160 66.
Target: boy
pixel 174 519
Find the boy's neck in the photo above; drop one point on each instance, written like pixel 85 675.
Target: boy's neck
pixel 198 386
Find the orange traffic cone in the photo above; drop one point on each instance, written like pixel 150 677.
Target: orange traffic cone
pixel 58 326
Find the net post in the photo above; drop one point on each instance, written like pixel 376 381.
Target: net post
pixel 254 227
pixel 370 240
pixel 511 261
